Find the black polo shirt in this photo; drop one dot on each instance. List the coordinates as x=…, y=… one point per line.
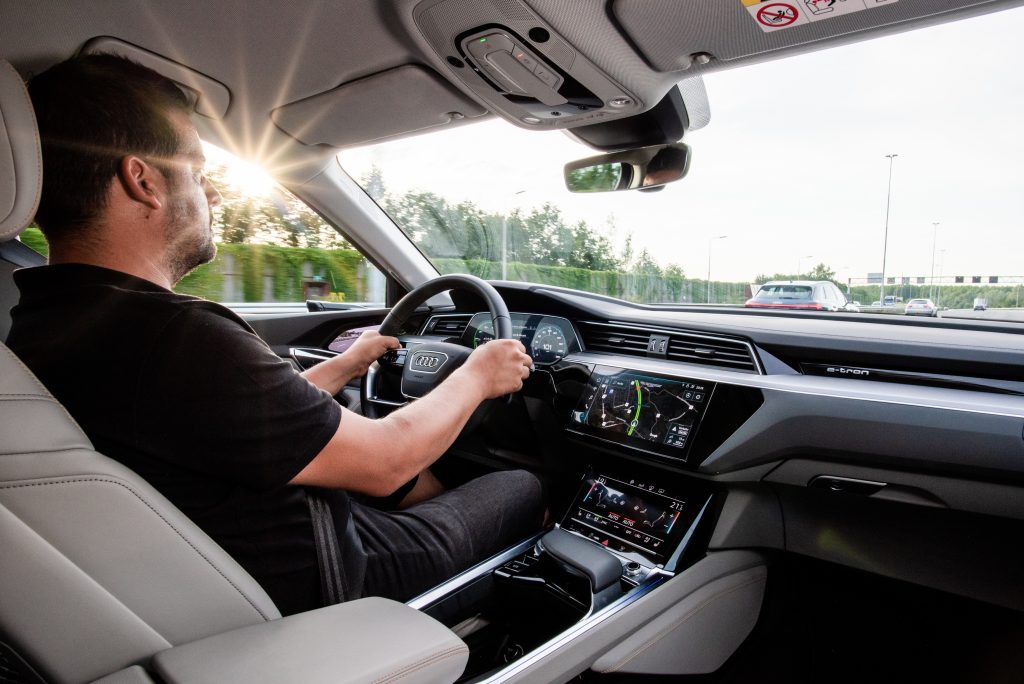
x=183, y=392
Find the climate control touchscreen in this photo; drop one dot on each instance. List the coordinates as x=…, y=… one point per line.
x=639, y=520
x=636, y=409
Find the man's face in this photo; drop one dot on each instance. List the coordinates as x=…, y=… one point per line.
x=191, y=198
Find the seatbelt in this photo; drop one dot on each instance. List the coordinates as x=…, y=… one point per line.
x=328, y=555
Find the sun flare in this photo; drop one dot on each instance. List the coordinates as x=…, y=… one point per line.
x=248, y=177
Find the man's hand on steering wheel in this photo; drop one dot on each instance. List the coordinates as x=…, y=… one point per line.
x=367, y=348
x=500, y=366
x=426, y=364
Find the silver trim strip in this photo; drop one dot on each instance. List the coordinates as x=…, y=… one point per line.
x=965, y=401
x=482, y=568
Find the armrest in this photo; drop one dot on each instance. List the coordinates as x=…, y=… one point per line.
x=371, y=639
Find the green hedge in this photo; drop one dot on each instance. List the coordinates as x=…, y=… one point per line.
x=339, y=267
x=345, y=271
x=637, y=287
x=33, y=237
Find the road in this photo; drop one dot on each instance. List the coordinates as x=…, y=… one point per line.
x=989, y=314
x=1015, y=315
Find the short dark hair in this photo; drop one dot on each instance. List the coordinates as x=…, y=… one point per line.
x=93, y=110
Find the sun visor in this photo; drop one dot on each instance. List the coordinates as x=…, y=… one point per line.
x=208, y=97
x=695, y=36
x=404, y=100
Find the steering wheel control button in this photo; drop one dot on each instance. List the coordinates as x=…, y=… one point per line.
x=394, y=357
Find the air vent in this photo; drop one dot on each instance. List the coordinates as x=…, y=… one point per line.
x=614, y=338
x=689, y=347
x=450, y=326
x=711, y=351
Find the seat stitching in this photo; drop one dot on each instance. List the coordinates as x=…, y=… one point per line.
x=420, y=664
x=662, y=633
x=45, y=393
x=159, y=515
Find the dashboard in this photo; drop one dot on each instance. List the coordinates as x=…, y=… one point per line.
x=846, y=439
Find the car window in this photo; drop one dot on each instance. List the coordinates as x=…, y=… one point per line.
x=785, y=292
x=790, y=180
x=272, y=249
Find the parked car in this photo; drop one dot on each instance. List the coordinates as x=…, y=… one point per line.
x=921, y=307
x=813, y=295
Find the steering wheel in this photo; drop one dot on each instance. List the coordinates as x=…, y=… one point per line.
x=426, y=365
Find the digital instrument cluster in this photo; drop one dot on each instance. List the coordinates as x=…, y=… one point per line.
x=547, y=338
x=649, y=412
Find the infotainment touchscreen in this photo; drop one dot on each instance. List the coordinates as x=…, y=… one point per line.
x=637, y=409
x=636, y=519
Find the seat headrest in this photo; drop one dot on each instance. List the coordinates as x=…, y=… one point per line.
x=21, y=163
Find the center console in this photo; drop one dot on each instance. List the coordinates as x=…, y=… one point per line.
x=624, y=534
x=632, y=544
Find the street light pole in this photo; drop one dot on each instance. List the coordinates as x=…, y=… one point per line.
x=938, y=288
x=710, y=240
x=935, y=238
x=885, y=243
x=799, y=261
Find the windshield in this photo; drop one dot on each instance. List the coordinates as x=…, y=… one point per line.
x=888, y=167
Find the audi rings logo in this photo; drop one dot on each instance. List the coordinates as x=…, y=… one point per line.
x=428, y=361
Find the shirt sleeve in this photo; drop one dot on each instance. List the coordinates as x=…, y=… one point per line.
x=218, y=401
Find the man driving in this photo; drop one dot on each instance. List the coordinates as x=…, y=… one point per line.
x=182, y=391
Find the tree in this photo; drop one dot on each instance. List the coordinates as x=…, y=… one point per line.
x=822, y=272
x=645, y=264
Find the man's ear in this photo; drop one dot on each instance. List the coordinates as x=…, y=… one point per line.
x=142, y=182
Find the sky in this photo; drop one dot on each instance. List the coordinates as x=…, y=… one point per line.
x=792, y=168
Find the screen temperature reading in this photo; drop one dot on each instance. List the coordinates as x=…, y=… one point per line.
x=635, y=519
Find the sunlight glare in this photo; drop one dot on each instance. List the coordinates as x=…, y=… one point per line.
x=248, y=177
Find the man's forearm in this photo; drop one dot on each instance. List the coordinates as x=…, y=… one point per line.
x=376, y=457
x=428, y=426
x=330, y=375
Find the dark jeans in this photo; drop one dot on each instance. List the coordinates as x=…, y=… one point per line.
x=413, y=550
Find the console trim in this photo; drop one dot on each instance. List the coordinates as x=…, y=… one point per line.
x=587, y=623
x=428, y=598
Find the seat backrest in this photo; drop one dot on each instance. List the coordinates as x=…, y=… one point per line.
x=98, y=571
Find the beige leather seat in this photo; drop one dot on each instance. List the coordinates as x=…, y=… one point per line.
x=99, y=572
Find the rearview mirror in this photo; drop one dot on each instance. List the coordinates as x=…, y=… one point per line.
x=640, y=169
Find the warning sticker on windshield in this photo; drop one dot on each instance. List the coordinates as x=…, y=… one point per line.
x=772, y=15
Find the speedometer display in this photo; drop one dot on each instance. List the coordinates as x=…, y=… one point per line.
x=483, y=332
x=548, y=344
x=547, y=338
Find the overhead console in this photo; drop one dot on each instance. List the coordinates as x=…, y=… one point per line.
x=514, y=61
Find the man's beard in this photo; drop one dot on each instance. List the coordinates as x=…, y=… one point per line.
x=188, y=247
